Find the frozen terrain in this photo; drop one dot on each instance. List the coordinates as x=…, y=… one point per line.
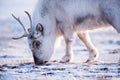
x=16, y=62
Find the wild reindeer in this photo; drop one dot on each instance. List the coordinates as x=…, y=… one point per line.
x=53, y=18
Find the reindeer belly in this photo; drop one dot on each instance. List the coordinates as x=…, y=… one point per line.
x=90, y=23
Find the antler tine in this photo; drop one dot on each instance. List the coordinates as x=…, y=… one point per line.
x=29, y=19
x=25, y=32
x=19, y=37
x=18, y=19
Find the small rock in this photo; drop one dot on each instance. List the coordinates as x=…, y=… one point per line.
x=61, y=69
x=50, y=73
x=118, y=42
x=104, y=69
x=22, y=71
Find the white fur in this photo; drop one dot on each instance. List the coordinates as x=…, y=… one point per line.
x=58, y=18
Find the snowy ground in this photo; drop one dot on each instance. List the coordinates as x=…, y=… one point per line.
x=16, y=62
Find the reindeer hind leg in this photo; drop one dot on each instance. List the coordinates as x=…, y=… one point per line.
x=93, y=53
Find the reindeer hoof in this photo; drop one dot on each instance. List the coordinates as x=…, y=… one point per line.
x=92, y=58
x=90, y=61
x=66, y=59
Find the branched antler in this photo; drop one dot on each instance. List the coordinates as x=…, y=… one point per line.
x=25, y=32
x=29, y=16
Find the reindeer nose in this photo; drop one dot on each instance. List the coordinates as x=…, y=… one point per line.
x=38, y=61
x=36, y=44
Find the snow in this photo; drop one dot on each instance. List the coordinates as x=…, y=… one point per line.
x=16, y=61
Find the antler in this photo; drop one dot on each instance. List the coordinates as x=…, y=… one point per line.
x=25, y=32
x=29, y=16
x=20, y=37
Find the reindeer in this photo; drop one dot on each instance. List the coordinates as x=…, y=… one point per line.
x=54, y=18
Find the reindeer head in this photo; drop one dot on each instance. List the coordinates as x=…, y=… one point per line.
x=36, y=41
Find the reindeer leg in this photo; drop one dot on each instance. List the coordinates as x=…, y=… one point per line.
x=93, y=53
x=68, y=36
x=69, y=53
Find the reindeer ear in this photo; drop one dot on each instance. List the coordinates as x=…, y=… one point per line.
x=39, y=28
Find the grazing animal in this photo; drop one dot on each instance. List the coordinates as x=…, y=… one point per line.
x=53, y=18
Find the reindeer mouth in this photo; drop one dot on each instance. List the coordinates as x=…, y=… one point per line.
x=38, y=61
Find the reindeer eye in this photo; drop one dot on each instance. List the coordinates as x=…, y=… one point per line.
x=36, y=44
x=31, y=37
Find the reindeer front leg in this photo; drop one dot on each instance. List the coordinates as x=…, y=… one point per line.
x=69, y=53
x=68, y=36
